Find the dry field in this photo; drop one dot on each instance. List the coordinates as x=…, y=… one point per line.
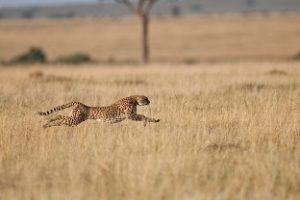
x=227, y=131
x=209, y=37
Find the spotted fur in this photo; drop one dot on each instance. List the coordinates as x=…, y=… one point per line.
x=123, y=109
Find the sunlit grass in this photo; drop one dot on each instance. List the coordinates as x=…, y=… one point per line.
x=227, y=131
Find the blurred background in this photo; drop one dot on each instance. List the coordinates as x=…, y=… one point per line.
x=109, y=8
x=188, y=31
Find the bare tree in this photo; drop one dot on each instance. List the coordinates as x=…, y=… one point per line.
x=142, y=9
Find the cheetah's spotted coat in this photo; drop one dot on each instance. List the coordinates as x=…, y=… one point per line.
x=117, y=112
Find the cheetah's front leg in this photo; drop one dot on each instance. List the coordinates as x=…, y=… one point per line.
x=137, y=117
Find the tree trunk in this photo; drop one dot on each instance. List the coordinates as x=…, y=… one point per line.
x=145, y=38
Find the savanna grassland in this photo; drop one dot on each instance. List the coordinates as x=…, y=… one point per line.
x=228, y=130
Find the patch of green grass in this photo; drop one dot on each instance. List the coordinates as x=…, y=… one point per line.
x=33, y=55
x=75, y=59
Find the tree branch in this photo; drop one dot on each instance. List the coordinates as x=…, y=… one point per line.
x=139, y=7
x=143, y=7
x=129, y=5
x=149, y=6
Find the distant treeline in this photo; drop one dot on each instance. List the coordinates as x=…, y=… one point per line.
x=163, y=7
x=36, y=55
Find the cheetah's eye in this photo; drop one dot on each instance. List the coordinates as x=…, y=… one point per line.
x=143, y=101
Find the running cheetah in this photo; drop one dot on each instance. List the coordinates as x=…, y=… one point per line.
x=123, y=109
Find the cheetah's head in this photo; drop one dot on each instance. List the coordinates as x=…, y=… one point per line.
x=142, y=100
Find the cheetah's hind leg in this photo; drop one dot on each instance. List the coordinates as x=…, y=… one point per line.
x=51, y=122
x=58, y=117
x=59, y=121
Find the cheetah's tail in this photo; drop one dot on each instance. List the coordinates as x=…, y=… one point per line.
x=58, y=108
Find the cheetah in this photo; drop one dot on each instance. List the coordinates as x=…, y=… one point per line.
x=120, y=110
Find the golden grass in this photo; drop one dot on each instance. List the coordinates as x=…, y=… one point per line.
x=227, y=131
x=208, y=37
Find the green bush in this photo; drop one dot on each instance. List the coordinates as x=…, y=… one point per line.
x=75, y=59
x=34, y=55
x=297, y=56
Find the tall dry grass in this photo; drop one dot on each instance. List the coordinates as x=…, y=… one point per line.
x=227, y=131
